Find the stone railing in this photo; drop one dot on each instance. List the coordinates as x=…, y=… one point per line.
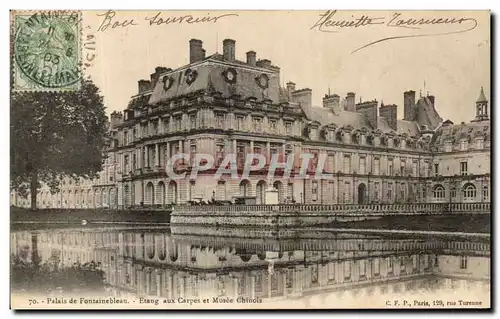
x=338, y=208
x=470, y=207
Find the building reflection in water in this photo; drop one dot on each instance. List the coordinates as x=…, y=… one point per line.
x=307, y=267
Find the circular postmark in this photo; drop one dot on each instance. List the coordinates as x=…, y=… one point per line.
x=46, y=49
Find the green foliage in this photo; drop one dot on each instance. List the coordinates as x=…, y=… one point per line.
x=56, y=134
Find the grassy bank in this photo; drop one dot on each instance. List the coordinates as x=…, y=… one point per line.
x=75, y=216
x=455, y=223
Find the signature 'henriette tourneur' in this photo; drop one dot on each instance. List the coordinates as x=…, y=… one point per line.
x=327, y=23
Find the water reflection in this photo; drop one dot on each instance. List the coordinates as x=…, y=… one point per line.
x=309, y=267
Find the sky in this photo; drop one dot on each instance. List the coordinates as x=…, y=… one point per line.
x=310, y=49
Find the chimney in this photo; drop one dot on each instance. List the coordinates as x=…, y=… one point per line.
x=264, y=63
x=303, y=96
x=369, y=109
x=350, y=103
x=332, y=102
x=251, y=58
x=409, y=106
x=116, y=119
x=228, y=49
x=154, y=76
x=144, y=85
x=195, y=50
x=390, y=112
x=290, y=87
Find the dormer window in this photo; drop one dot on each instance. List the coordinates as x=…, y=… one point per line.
x=447, y=146
x=463, y=145
x=272, y=125
x=479, y=144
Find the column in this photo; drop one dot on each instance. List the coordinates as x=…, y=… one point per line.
x=168, y=151
x=268, y=152
x=157, y=155
x=146, y=156
x=251, y=147
x=234, y=146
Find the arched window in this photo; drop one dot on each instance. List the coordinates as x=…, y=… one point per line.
x=469, y=191
x=438, y=191
x=485, y=193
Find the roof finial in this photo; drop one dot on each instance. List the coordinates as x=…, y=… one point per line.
x=482, y=97
x=216, y=42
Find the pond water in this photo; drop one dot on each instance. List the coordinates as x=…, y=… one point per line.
x=195, y=267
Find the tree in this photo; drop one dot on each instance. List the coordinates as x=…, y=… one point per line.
x=56, y=134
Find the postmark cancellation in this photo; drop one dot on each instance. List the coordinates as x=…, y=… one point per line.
x=46, y=50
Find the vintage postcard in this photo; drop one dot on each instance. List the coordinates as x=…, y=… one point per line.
x=250, y=159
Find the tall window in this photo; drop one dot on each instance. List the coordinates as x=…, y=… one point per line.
x=403, y=191
x=463, y=262
x=389, y=191
x=447, y=146
x=290, y=191
x=376, y=190
x=469, y=191
x=126, y=163
x=362, y=165
x=192, y=152
x=377, y=166
x=414, y=168
x=390, y=265
x=192, y=121
x=314, y=190
x=390, y=167
x=347, y=164
x=485, y=193
x=166, y=125
x=257, y=124
x=436, y=169
x=463, y=145
x=332, y=190
x=362, y=268
x=331, y=271
x=331, y=163
x=438, y=192
x=219, y=153
x=177, y=121
x=155, y=127
x=273, y=125
x=463, y=168
x=376, y=267
x=240, y=123
x=288, y=128
x=347, y=192
x=221, y=120
x=453, y=192
x=125, y=137
x=347, y=269
x=479, y=144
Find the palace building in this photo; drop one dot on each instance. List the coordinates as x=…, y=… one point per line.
x=333, y=268
x=221, y=105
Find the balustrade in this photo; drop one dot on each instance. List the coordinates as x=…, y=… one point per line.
x=376, y=209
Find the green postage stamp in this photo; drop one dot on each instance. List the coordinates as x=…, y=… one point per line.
x=46, y=51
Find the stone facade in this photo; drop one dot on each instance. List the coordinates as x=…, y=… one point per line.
x=219, y=105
